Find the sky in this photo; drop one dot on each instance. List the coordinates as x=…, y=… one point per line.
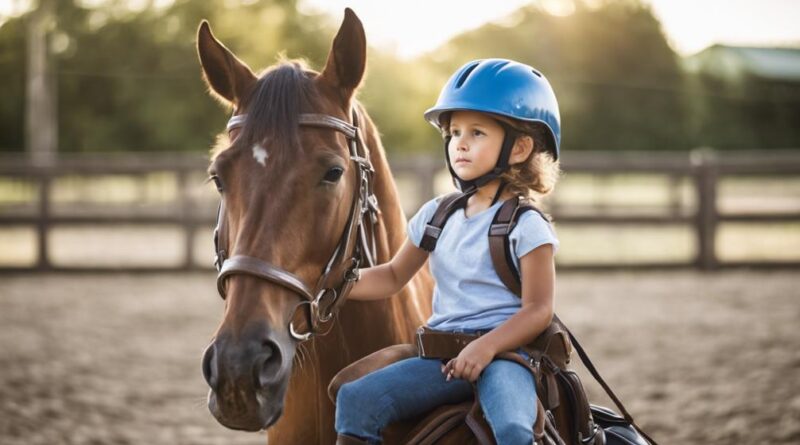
x=412, y=27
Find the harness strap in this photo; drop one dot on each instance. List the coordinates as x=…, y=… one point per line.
x=590, y=366
x=449, y=204
x=504, y=221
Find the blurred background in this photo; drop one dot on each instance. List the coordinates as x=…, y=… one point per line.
x=678, y=212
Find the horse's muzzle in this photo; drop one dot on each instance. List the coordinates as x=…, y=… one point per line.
x=248, y=376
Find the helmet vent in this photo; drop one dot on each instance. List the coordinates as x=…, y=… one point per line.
x=536, y=72
x=466, y=74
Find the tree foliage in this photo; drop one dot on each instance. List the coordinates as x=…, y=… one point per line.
x=130, y=80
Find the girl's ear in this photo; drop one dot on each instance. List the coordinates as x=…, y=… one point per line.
x=522, y=149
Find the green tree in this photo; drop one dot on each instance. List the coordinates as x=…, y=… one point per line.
x=618, y=82
x=130, y=80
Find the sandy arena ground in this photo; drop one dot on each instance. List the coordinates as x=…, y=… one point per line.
x=115, y=359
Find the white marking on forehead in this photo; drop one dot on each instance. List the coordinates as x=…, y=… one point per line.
x=260, y=154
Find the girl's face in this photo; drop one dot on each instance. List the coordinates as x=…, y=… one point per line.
x=475, y=143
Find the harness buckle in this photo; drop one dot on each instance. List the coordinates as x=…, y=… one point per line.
x=432, y=231
x=373, y=203
x=499, y=229
x=352, y=273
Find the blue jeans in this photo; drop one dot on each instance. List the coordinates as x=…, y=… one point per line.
x=410, y=387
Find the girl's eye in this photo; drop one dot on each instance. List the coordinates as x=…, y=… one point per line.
x=455, y=133
x=477, y=133
x=334, y=174
x=217, y=183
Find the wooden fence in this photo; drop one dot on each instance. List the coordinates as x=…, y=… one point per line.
x=704, y=168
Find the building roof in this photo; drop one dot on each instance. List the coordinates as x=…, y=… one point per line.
x=737, y=61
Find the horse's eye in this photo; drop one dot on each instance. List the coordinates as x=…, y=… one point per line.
x=334, y=174
x=217, y=183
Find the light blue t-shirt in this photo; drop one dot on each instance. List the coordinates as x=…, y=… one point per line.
x=468, y=293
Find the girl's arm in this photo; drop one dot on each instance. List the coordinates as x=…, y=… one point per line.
x=538, y=284
x=385, y=280
x=538, y=281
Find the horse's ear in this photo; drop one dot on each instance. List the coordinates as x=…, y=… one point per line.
x=348, y=56
x=228, y=77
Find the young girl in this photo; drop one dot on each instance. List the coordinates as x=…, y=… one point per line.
x=501, y=127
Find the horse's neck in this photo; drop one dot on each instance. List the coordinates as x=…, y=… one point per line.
x=398, y=317
x=360, y=328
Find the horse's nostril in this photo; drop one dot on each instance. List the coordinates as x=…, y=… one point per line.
x=210, y=366
x=267, y=364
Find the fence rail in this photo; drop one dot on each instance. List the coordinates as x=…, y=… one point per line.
x=704, y=168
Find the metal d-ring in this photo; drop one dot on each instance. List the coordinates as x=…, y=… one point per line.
x=294, y=333
x=323, y=318
x=299, y=337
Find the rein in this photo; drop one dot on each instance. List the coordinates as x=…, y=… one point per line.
x=356, y=246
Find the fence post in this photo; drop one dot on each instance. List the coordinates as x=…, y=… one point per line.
x=704, y=164
x=187, y=209
x=43, y=223
x=675, y=194
x=427, y=186
x=41, y=110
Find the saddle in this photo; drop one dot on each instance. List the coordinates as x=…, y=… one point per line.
x=564, y=414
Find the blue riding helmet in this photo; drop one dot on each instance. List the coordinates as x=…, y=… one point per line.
x=502, y=87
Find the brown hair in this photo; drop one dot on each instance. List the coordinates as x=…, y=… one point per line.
x=537, y=175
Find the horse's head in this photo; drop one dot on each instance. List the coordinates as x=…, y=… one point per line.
x=291, y=182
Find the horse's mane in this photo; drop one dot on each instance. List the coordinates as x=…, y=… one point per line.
x=278, y=97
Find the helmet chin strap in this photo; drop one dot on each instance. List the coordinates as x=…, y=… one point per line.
x=498, y=192
x=499, y=168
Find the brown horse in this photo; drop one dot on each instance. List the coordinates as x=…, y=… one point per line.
x=287, y=191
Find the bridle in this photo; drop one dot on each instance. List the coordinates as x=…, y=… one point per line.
x=356, y=246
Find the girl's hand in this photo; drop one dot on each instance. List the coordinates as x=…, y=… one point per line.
x=470, y=362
